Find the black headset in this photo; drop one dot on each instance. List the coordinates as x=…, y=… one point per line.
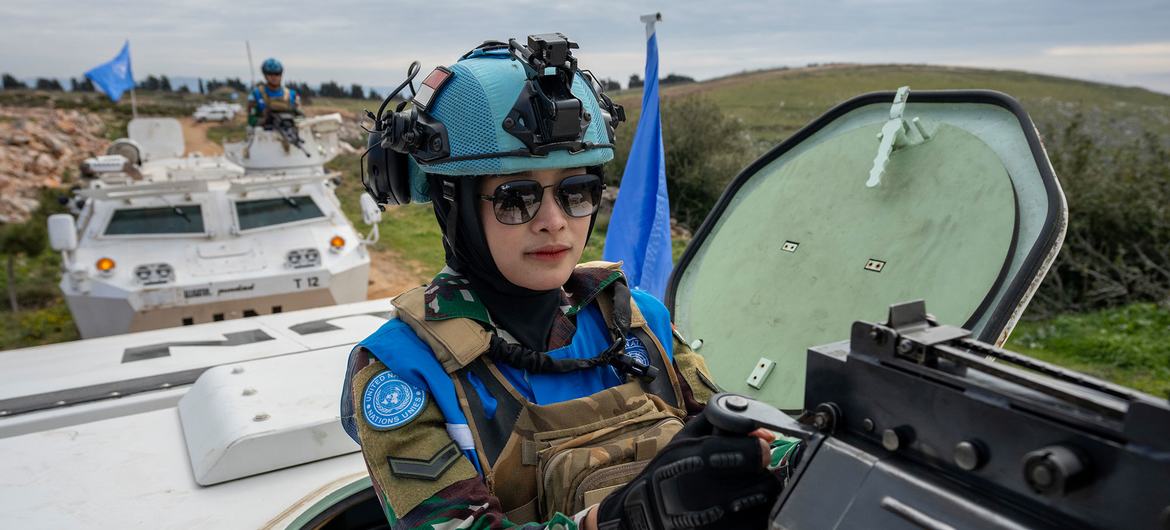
x=546, y=117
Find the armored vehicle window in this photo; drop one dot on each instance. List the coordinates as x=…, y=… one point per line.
x=184, y=219
x=268, y=212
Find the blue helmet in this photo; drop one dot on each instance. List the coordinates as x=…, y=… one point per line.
x=503, y=108
x=271, y=66
x=475, y=104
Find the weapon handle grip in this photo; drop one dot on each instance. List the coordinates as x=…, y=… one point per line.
x=725, y=412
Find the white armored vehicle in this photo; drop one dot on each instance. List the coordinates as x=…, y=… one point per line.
x=163, y=240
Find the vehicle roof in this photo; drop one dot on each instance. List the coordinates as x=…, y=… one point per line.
x=133, y=472
x=70, y=373
x=123, y=461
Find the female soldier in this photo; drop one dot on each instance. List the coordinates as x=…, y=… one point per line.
x=518, y=386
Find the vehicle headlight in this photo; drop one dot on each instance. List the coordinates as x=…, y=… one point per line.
x=302, y=257
x=154, y=273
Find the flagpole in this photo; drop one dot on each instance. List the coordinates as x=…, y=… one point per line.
x=639, y=227
x=251, y=67
x=133, y=100
x=650, y=20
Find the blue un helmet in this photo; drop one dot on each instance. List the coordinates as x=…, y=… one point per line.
x=271, y=66
x=503, y=108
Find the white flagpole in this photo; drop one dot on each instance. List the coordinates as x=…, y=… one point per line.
x=251, y=67
x=650, y=20
x=133, y=100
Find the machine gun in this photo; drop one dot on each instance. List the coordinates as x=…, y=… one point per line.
x=912, y=424
x=284, y=123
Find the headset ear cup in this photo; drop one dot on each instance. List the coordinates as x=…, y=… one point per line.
x=373, y=178
x=398, y=169
x=387, y=172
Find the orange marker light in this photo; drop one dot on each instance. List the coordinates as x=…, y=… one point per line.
x=105, y=264
x=337, y=242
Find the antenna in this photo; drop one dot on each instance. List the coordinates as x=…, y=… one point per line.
x=251, y=67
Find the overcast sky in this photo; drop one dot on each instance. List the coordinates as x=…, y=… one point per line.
x=371, y=42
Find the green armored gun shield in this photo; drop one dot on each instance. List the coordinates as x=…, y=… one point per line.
x=945, y=196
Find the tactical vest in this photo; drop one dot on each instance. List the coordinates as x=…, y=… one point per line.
x=561, y=457
x=278, y=105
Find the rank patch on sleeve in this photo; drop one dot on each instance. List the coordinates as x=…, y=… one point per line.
x=389, y=402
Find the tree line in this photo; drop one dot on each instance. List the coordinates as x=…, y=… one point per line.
x=328, y=89
x=162, y=83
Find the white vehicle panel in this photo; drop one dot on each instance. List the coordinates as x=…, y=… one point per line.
x=137, y=461
x=159, y=137
x=244, y=419
x=41, y=376
x=133, y=472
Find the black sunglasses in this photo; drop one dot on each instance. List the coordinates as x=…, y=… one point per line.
x=517, y=202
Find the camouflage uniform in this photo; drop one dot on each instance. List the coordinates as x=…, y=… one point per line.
x=450, y=490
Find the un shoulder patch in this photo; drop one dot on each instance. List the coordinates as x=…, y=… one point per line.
x=389, y=402
x=637, y=350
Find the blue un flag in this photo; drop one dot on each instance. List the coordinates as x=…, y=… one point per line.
x=639, y=230
x=114, y=77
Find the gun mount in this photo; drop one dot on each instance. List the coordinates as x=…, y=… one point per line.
x=285, y=125
x=911, y=424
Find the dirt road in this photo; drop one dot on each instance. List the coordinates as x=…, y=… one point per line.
x=195, y=136
x=390, y=275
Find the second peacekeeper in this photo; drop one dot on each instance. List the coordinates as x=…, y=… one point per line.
x=270, y=97
x=518, y=388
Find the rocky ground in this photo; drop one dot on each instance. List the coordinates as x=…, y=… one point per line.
x=39, y=147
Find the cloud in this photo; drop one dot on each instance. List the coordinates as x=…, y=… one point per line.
x=1157, y=49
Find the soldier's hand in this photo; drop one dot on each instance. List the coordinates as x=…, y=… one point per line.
x=699, y=480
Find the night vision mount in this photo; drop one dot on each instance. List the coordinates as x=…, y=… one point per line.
x=546, y=117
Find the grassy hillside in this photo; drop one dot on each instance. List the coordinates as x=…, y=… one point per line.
x=773, y=104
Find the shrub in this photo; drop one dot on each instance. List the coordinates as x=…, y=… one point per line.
x=1117, y=248
x=705, y=149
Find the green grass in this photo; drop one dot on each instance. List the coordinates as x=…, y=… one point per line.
x=355, y=106
x=34, y=327
x=1126, y=345
x=231, y=131
x=410, y=231
x=43, y=318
